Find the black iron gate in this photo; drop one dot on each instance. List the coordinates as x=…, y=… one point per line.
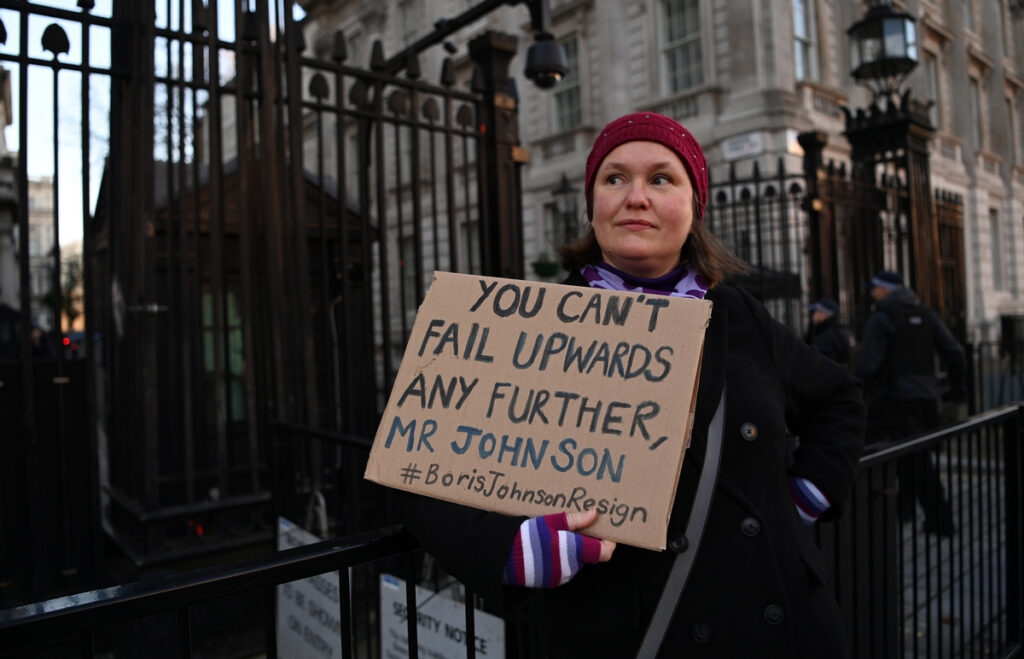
x=881, y=213
x=258, y=227
x=828, y=230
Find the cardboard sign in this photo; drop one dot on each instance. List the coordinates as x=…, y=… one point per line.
x=528, y=398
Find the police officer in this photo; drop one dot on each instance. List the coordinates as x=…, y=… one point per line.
x=896, y=362
x=827, y=334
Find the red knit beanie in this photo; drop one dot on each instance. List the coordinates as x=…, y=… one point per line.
x=651, y=127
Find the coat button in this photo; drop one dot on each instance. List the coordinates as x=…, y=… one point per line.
x=750, y=527
x=701, y=632
x=679, y=543
x=749, y=431
x=773, y=614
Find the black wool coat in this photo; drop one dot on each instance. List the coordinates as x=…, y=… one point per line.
x=758, y=587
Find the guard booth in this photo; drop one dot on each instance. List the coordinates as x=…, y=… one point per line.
x=259, y=223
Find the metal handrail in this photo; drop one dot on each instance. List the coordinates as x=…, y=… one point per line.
x=887, y=451
x=83, y=612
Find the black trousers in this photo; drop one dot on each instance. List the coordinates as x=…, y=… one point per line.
x=918, y=474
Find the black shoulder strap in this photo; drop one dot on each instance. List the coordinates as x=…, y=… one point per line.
x=694, y=530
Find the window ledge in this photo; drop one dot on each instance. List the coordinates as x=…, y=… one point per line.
x=989, y=161
x=949, y=146
x=975, y=53
x=823, y=98
x=555, y=145
x=1011, y=77
x=554, y=137
x=562, y=9
x=938, y=28
x=685, y=104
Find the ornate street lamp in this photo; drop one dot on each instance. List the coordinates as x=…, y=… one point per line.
x=883, y=49
x=564, y=231
x=889, y=152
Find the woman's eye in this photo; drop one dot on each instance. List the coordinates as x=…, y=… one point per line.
x=661, y=179
x=615, y=179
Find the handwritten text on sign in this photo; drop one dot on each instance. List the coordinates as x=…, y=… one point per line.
x=528, y=398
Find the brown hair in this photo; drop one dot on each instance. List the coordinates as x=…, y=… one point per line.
x=702, y=250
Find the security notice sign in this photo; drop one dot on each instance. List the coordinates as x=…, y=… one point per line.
x=529, y=398
x=440, y=625
x=308, y=609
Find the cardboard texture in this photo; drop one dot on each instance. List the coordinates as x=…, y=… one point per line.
x=529, y=398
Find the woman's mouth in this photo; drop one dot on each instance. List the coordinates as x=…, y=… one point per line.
x=635, y=224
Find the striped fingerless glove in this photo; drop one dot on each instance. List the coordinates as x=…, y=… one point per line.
x=546, y=554
x=810, y=501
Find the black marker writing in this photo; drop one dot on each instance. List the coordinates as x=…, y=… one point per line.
x=621, y=359
x=460, y=343
x=511, y=298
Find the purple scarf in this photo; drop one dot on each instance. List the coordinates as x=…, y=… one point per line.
x=680, y=282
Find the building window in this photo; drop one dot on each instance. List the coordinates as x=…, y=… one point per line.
x=1011, y=131
x=996, y=243
x=680, y=46
x=974, y=110
x=568, y=112
x=409, y=22
x=968, y=16
x=931, y=71
x=1020, y=137
x=1007, y=19
x=805, y=41
x=232, y=342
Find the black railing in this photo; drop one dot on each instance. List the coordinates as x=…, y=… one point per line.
x=94, y=623
x=905, y=590
x=908, y=589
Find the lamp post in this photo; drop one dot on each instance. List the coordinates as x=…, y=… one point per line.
x=889, y=157
x=564, y=230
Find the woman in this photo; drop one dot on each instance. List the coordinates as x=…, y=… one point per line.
x=757, y=585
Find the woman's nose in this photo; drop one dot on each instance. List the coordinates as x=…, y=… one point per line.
x=637, y=196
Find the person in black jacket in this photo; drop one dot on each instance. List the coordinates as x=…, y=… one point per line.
x=896, y=362
x=827, y=333
x=758, y=583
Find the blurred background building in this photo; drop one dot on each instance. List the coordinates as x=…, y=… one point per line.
x=747, y=78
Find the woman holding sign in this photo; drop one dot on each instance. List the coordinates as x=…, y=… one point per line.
x=742, y=575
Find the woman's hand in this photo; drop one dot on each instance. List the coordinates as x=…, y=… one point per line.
x=548, y=552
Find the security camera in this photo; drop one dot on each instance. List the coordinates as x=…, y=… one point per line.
x=546, y=62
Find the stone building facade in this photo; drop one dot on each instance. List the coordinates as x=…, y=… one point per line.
x=746, y=78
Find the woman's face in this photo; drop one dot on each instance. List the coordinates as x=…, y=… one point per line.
x=643, y=208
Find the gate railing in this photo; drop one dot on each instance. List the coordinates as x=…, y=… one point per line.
x=760, y=218
x=259, y=226
x=904, y=592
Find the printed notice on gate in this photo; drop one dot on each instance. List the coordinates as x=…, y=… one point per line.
x=528, y=398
